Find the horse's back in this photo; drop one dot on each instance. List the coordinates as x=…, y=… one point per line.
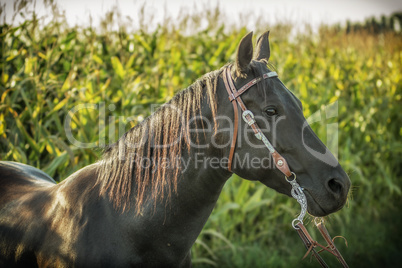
x=53, y=225
x=17, y=180
x=14, y=170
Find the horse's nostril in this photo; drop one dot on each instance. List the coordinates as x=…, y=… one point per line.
x=335, y=186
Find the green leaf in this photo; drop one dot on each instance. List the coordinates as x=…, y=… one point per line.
x=118, y=67
x=55, y=163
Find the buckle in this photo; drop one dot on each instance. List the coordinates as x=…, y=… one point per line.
x=249, y=120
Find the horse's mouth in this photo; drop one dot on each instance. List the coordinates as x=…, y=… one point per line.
x=313, y=207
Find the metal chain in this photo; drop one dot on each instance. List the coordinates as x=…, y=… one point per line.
x=298, y=194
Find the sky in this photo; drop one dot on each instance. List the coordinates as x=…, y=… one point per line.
x=313, y=12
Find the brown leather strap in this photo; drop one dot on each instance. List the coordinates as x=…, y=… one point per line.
x=311, y=244
x=330, y=241
x=247, y=86
x=281, y=164
x=236, y=122
x=244, y=88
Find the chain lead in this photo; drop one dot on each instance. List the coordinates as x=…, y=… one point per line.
x=298, y=194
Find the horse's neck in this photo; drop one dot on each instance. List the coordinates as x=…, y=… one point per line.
x=201, y=181
x=200, y=187
x=175, y=225
x=177, y=221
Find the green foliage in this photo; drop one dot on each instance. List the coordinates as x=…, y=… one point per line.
x=48, y=69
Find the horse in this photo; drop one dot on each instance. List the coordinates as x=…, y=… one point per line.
x=144, y=203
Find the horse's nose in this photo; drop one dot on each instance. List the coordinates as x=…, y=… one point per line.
x=338, y=186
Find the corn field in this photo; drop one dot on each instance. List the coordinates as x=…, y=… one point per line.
x=120, y=76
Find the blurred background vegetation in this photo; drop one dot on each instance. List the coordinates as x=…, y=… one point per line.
x=48, y=67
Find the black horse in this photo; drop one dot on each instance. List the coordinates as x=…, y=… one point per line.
x=145, y=202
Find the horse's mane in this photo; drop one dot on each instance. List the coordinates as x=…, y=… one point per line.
x=133, y=165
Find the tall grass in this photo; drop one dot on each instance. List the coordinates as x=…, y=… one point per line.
x=49, y=68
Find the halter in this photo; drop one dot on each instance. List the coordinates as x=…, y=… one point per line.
x=281, y=164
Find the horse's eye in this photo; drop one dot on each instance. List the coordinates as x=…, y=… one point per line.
x=271, y=111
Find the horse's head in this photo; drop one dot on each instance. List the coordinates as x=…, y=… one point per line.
x=279, y=115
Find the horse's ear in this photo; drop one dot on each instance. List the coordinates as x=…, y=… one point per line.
x=263, y=51
x=244, y=54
